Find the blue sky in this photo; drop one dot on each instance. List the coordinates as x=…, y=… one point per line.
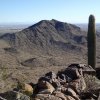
x=29, y=11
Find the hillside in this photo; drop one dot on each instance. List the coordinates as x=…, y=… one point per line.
x=45, y=38
x=47, y=33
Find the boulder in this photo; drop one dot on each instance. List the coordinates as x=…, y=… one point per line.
x=51, y=77
x=76, y=69
x=25, y=88
x=72, y=93
x=62, y=78
x=86, y=69
x=45, y=86
x=71, y=73
x=78, y=85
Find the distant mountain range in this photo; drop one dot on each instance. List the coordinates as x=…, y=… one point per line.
x=15, y=27
x=85, y=27
x=12, y=28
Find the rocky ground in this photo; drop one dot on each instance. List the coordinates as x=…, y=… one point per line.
x=76, y=82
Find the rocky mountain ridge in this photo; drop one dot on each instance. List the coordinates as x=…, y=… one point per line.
x=45, y=38
x=46, y=33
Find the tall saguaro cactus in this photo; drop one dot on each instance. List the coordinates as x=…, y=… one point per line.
x=91, y=42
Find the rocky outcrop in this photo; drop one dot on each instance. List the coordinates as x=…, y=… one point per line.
x=25, y=88
x=67, y=84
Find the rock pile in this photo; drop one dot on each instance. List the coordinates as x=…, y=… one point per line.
x=67, y=84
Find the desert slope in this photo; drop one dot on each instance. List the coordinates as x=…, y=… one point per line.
x=45, y=38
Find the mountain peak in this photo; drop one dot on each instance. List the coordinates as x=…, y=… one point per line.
x=47, y=33
x=58, y=25
x=53, y=21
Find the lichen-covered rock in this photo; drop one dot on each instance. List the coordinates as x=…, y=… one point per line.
x=25, y=88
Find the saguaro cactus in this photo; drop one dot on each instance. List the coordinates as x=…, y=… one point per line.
x=91, y=42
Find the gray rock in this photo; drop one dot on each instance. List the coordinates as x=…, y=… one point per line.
x=78, y=85
x=51, y=77
x=13, y=95
x=70, y=73
x=72, y=93
x=69, y=97
x=42, y=96
x=45, y=85
x=60, y=95
x=9, y=95
x=85, y=68
x=21, y=96
x=54, y=98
